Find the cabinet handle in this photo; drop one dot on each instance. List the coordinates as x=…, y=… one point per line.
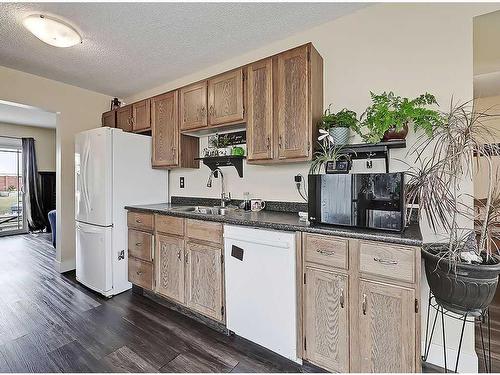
x=138, y=243
x=385, y=261
x=211, y=110
x=279, y=141
x=363, y=305
x=179, y=255
x=325, y=252
x=203, y=111
x=342, y=297
x=138, y=221
x=173, y=152
x=268, y=144
x=187, y=258
x=139, y=273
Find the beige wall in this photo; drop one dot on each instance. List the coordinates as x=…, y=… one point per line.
x=78, y=110
x=45, y=143
x=408, y=48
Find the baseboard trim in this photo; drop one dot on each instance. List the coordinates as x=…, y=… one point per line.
x=65, y=266
x=468, y=362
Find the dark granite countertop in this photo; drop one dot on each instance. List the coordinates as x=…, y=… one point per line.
x=286, y=221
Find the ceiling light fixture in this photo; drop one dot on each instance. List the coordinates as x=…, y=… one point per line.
x=52, y=31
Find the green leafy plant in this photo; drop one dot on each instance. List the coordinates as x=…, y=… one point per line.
x=219, y=141
x=342, y=119
x=389, y=111
x=223, y=141
x=327, y=152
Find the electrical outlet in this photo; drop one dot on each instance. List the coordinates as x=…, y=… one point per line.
x=181, y=182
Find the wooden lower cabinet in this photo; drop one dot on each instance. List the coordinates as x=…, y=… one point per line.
x=359, y=311
x=326, y=319
x=140, y=273
x=186, y=265
x=170, y=267
x=204, y=279
x=386, y=328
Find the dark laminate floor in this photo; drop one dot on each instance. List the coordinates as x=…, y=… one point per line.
x=49, y=323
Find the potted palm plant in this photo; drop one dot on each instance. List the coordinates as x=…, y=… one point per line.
x=389, y=116
x=462, y=272
x=338, y=124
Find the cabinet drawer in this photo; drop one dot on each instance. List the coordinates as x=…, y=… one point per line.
x=326, y=250
x=139, y=220
x=204, y=230
x=390, y=261
x=169, y=225
x=140, y=273
x=140, y=245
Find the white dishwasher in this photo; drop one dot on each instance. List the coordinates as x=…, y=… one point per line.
x=261, y=298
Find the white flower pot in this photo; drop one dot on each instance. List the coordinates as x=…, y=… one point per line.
x=340, y=136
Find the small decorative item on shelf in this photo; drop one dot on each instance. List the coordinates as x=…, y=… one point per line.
x=115, y=104
x=221, y=143
x=338, y=124
x=389, y=116
x=238, y=151
x=210, y=152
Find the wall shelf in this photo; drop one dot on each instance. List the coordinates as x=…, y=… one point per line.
x=214, y=162
x=372, y=150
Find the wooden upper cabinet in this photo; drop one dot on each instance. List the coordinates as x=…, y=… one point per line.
x=141, y=115
x=193, y=106
x=292, y=100
x=165, y=130
x=170, y=267
x=326, y=319
x=204, y=279
x=386, y=328
x=124, y=118
x=109, y=119
x=260, y=111
x=225, y=98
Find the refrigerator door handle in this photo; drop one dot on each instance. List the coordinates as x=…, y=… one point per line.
x=89, y=229
x=86, y=197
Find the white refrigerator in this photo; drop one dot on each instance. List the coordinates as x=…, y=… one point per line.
x=112, y=170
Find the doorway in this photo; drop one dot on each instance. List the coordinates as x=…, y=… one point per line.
x=12, y=207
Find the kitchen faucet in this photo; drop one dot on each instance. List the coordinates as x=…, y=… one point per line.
x=223, y=198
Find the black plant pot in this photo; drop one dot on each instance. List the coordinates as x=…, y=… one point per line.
x=468, y=289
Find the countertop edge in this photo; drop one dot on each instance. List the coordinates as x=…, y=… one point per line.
x=335, y=231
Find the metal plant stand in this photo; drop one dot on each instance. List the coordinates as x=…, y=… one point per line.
x=483, y=318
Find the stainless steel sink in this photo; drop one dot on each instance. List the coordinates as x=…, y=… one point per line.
x=204, y=210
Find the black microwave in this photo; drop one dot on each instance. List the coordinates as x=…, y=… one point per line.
x=365, y=200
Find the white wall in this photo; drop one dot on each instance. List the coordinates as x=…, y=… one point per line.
x=45, y=143
x=407, y=48
x=78, y=110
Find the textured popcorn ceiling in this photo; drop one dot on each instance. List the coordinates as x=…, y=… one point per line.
x=130, y=47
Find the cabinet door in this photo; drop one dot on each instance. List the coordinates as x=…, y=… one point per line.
x=194, y=106
x=260, y=110
x=170, y=267
x=225, y=98
x=326, y=319
x=204, y=279
x=141, y=115
x=124, y=118
x=292, y=99
x=109, y=119
x=386, y=328
x=165, y=130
